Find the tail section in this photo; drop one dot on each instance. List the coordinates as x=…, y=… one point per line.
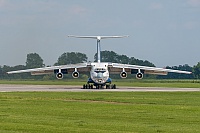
x=98, y=51
x=98, y=38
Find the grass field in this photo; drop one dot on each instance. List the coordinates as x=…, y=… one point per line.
x=100, y=112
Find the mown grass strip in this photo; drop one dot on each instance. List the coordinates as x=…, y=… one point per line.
x=100, y=112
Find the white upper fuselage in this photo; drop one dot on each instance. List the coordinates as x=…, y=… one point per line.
x=99, y=72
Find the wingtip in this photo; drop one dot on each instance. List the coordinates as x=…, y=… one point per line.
x=69, y=35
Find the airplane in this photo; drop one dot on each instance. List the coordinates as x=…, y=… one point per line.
x=99, y=71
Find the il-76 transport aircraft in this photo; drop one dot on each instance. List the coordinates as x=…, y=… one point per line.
x=99, y=71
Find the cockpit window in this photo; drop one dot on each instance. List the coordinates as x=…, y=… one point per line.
x=98, y=70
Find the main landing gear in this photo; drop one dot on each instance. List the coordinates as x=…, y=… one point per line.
x=87, y=86
x=91, y=86
x=111, y=86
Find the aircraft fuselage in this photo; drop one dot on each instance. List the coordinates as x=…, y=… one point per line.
x=99, y=73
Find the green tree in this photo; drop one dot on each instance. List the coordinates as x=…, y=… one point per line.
x=1, y=73
x=107, y=56
x=110, y=56
x=6, y=68
x=196, y=70
x=185, y=67
x=71, y=58
x=34, y=60
x=123, y=59
x=135, y=61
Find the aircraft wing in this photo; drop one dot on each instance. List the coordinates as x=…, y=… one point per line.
x=81, y=67
x=115, y=68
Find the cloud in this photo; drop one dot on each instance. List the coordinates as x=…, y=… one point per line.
x=191, y=25
x=77, y=10
x=2, y=3
x=187, y=25
x=156, y=6
x=194, y=3
x=30, y=6
x=31, y=11
x=76, y=13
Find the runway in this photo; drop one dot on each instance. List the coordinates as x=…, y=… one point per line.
x=64, y=88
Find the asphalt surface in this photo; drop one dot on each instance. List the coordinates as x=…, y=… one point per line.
x=62, y=88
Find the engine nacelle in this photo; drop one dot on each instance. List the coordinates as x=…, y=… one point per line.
x=75, y=74
x=139, y=75
x=123, y=75
x=59, y=75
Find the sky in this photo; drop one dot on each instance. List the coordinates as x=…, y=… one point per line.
x=164, y=32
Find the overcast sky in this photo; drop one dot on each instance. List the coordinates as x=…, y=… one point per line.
x=164, y=32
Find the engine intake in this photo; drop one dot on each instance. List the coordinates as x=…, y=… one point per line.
x=75, y=74
x=59, y=75
x=123, y=75
x=139, y=75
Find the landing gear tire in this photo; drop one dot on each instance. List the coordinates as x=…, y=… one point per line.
x=113, y=86
x=83, y=86
x=90, y=86
x=87, y=86
x=107, y=86
x=97, y=86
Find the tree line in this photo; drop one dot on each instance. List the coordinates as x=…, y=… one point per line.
x=34, y=60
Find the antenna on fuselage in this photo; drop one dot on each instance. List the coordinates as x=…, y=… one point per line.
x=98, y=42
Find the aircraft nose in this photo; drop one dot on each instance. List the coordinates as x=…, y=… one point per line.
x=99, y=75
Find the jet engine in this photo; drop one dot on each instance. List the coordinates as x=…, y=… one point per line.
x=139, y=75
x=75, y=74
x=123, y=74
x=59, y=75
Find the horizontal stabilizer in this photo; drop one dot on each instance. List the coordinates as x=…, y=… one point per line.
x=98, y=37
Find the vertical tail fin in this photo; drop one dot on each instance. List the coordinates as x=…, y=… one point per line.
x=98, y=42
x=98, y=51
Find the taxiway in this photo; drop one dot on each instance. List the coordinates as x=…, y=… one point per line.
x=64, y=88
